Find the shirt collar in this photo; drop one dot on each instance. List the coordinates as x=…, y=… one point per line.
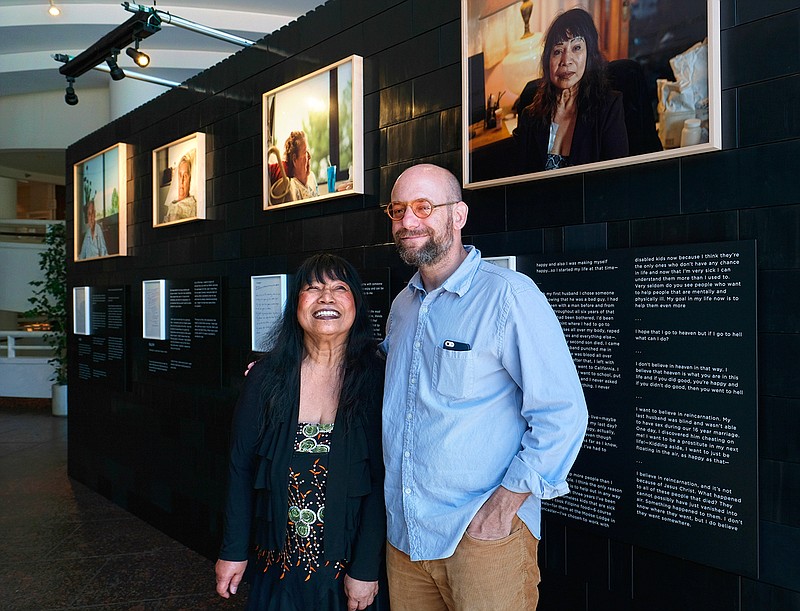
x=461, y=279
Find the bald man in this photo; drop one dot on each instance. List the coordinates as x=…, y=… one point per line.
x=483, y=413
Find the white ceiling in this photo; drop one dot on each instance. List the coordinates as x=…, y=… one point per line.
x=29, y=35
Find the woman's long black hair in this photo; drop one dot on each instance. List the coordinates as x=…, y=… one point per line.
x=593, y=87
x=280, y=390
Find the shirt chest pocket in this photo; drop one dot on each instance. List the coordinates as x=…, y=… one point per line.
x=454, y=372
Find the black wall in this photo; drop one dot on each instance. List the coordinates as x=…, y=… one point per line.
x=159, y=449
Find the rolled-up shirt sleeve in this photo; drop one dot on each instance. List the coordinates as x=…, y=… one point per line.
x=536, y=356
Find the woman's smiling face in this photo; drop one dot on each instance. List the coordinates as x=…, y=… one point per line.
x=326, y=308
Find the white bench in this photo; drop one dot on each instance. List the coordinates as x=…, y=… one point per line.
x=24, y=370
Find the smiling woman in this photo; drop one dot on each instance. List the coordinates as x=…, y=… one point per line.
x=326, y=310
x=306, y=445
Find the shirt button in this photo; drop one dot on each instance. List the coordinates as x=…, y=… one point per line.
x=406, y=454
x=413, y=381
x=417, y=344
x=408, y=490
x=409, y=416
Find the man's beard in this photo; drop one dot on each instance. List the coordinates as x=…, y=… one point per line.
x=432, y=251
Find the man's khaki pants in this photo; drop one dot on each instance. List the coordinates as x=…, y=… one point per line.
x=500, y=575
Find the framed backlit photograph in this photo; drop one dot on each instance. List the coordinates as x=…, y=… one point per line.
x=179, y=181
x=565, y=86
x=154, y=309
x=314, y=136
x=268, y=296
x=100, y=205
x=81, y=310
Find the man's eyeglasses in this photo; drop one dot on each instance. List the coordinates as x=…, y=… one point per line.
x=422, y=208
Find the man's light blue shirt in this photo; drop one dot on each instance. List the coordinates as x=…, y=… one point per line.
x=509, y=410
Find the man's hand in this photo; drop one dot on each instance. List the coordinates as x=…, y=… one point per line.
x=493, y=520
x=229, y=576
x=360, y=594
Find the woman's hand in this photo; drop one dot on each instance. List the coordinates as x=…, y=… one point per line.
x=566, y=106
x=229, y=575
x=565, y=117
x=360, y=594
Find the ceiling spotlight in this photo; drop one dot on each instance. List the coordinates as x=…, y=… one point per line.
x=70, y=97
x=116, y=72
x=54, y=10
x=140, y=58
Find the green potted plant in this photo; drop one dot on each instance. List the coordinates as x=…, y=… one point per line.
x=49, y=303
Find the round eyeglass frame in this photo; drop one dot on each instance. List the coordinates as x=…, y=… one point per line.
x=416, y=206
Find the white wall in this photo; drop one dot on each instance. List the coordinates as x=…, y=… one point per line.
x=43, y=121
x=128, y=94
x=19, y=264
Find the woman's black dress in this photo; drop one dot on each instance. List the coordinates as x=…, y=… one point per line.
x=298, y=576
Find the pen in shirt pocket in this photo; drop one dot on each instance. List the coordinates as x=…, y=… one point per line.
x=450, y=344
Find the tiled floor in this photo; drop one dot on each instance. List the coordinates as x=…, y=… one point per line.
x=62, y=546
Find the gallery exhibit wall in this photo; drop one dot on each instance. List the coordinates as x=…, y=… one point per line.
x=149, y=429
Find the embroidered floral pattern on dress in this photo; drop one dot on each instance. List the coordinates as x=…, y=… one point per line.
x=308, y=476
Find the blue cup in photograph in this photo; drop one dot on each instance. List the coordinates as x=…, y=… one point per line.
x=331, y=178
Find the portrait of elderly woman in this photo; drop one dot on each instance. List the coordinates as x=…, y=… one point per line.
x=99, y=205
x=184, y=206
x=306, y=467
x=291, y=179
x=179, y=181
x=313, y=136
x=94, y=242
x=570, y=116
